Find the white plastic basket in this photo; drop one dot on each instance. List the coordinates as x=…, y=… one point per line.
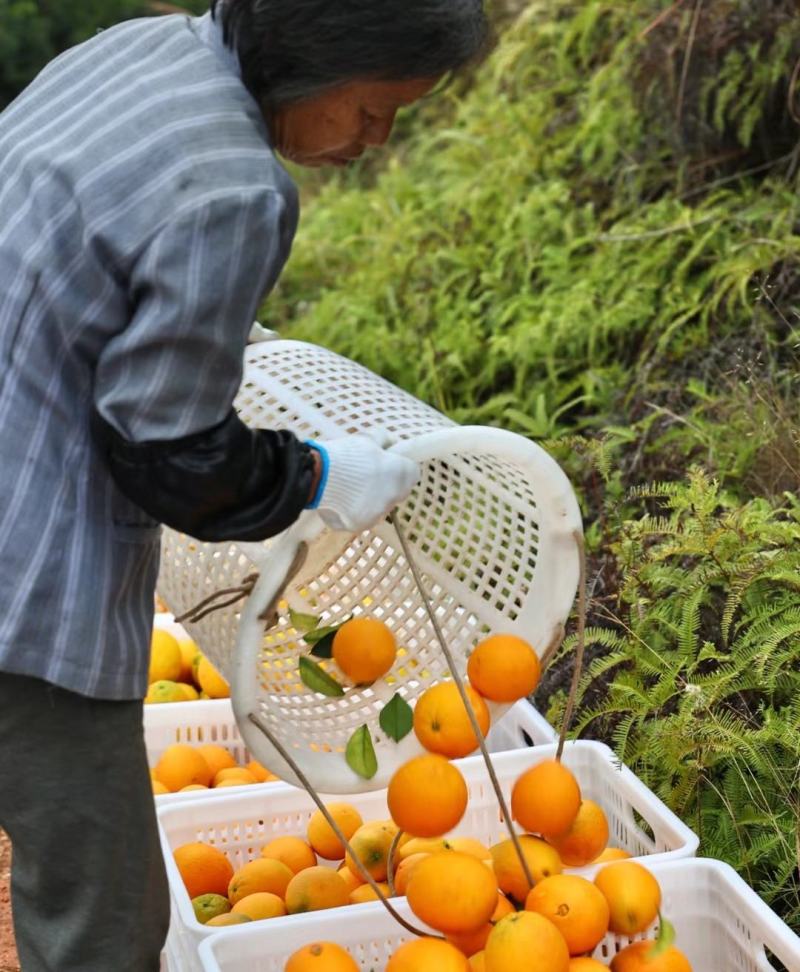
x=492, y=527
x=212, y=721
x=196, y=723
x=241, y=823
x=722, y=925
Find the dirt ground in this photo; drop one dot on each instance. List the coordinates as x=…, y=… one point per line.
x=8, y=952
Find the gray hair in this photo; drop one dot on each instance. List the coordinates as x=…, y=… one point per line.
x=292, y=49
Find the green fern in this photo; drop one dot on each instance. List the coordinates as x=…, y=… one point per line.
x=705, y=703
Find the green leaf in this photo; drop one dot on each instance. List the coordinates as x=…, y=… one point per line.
x=317, y=679
x=312, y=637
x=396, y=717
x=324, y=647
x=360, y=754
x=665, y=938
x=303, y=622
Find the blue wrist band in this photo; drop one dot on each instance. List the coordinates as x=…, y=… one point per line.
x=323, y=478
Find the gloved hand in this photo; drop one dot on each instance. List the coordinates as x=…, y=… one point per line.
x=360, y=481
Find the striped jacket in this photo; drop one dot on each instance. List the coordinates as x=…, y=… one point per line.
x=143, y=216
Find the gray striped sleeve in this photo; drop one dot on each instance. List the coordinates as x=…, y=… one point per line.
x=195, y=289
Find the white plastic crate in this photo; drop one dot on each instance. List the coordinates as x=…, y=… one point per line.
x=721, y=923
x=212, y=721
x=196, y=723
x=240, y=823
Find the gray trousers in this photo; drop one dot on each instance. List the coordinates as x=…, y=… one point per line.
x=88, y=886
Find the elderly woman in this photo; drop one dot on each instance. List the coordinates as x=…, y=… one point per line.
x=144, y=214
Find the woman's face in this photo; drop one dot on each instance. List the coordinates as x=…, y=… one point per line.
x=336, y=126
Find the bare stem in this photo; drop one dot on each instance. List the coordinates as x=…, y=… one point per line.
x=687, y=58
x=390, y=862
x=552, y=647
x=259, y=723
x=465, y=699
x=195, y=613
x=660, y=19
x=576, y=675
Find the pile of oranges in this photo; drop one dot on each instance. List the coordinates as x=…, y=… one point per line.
x=489, y=916
x=182, y=767
x=180, y=672
x=476, y=897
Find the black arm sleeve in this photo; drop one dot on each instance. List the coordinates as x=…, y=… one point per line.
x=229, y=482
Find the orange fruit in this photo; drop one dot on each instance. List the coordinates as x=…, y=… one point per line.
x=238, y=773
x=314, y=889
x=473, y=941
x=431, y=845
x=261, y=874
x=477, y=962
x=189, y=652
x=208, y=906
x=404, y=871
x=217, y=757
x=575, y=906
x=633, y=896
x=164, y=691
x=231, y=918
x=320, y=833
x=192, y=786
x=611, y=854
x=165, y=657
x=209, y=679
x=586, y=838
x=526, y=940
x=543, y=860
x=468, y=845
x=364, y=649
x=452, y=892
x=586, y=965
x=365, y=892
x=371, y=844
x=321, y=957
x=441, y=722
x=504, y=907
x=294, y=852
x=636, y=958
x=421, y=845
x=260, y=905
x=546, y=798
x=352, y=881
x=261, y=773
x=188, y=692
x=181, y=765
x=158, y=788
x=204, y=869
x=427, y=955
x=504, y=668
x=236, y=781
x=427, y=796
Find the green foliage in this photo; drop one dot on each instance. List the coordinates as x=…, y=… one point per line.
x=705, y=701
x=597, y=246
x=518, y=265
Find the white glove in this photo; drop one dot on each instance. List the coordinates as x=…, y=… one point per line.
x=259, y=334
x=360, y=481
